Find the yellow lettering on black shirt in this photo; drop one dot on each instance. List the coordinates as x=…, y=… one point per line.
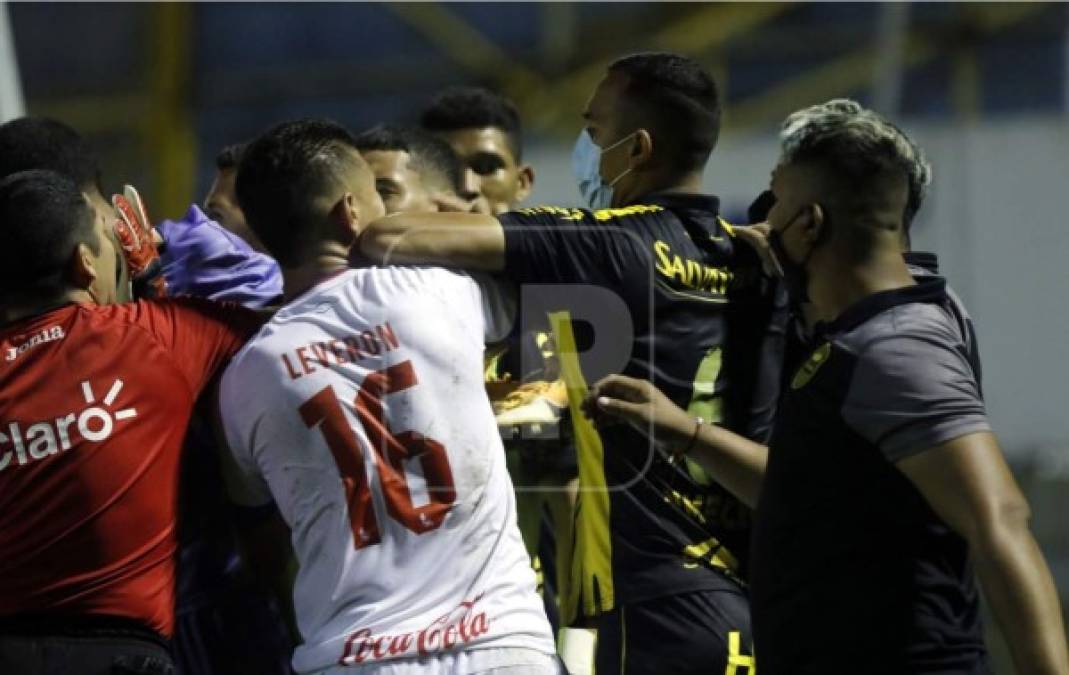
x=635, y=210
x=563, y=213
x=691, y=273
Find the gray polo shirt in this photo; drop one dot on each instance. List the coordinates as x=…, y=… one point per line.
x=852, y=572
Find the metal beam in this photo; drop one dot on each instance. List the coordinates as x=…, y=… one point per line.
x=553, y=106
x=468, y=47
x=168, y=126
x=848, y=73
x=90, y=115
x=556, y=106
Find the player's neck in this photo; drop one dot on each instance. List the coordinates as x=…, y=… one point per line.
x=13, y=311
x=834, y=293
x=297, y=280
x=689, y=183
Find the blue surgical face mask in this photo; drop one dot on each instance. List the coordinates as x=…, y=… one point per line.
x=586, y=164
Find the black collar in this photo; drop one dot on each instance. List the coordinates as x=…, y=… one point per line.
x=683, y=200
x=927, y=289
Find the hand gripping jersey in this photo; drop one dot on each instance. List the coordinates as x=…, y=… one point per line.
x=360, y=408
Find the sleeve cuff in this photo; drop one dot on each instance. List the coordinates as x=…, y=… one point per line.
x=909, y=441
x=513, y=244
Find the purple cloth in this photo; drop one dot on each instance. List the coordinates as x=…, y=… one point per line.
x=203, y=259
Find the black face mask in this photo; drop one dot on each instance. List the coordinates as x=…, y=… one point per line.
x=795, y=277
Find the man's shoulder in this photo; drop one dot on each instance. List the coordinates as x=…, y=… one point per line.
x=913, y=320
x=150, y=313
x=566, y=216
x=250, y=371
x=366, y=286
x=257, y=351
x=909, y=332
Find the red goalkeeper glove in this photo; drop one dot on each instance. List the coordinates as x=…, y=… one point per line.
x=137, y=239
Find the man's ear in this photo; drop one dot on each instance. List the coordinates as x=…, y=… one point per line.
x=641, y=149
x=81, y=270
x=346, y=217
x=526, y=178
x=814, y=223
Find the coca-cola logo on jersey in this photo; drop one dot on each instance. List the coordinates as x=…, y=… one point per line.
x=23, y=443
x=454, y=629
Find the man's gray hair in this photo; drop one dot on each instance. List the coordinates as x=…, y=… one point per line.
x=857, y=140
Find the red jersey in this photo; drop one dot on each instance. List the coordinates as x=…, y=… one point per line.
x=94, y=404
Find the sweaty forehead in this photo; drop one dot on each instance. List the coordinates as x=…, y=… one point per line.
x=487, y=140
x=387, y=163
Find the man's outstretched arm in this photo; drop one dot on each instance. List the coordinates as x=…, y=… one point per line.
x=466, y=240
x=737, y=462
x=967, y=483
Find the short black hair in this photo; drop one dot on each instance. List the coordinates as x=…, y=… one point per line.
x=230, y=156
x=679, y=103
x=43, y=143
x=428, y=152
x=43, y=218
x=458, y=108
x=280, y=177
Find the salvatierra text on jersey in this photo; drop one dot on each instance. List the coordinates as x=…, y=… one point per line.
x=454, y=629
x=691, y=273
x=350, y=349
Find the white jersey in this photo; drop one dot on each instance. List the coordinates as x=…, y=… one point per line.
x=360, y=408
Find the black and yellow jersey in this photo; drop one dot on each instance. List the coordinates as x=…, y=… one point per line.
x=660, y=290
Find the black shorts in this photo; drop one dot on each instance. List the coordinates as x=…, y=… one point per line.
x=84, y=646
x=234, y=629
x=706, y=632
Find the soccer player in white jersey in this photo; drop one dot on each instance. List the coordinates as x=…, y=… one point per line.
x=360, y=410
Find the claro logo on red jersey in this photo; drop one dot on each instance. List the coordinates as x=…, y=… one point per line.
x=24, y=444
x=50, y=334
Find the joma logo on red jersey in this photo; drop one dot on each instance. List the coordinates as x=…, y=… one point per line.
x=50, y=334
x=42, y=439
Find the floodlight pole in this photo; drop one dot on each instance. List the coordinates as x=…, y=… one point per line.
x=891, y=44
x=11, y=101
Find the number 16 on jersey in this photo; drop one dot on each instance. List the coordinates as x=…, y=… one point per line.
x=395, y=453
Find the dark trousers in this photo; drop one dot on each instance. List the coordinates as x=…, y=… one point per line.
x=234, y=630
x=49, y=647
x=700, y=633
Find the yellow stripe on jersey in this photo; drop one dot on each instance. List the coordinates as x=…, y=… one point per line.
x=704, y=403
x=588, y=588
x=623, y=212
x=713, y=552
x=492, y=363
